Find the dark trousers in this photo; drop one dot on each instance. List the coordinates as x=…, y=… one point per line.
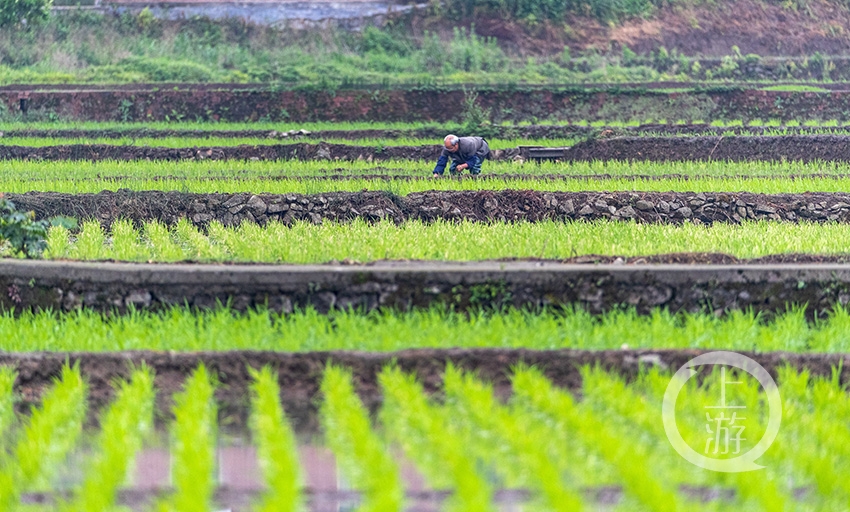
x=474, y=169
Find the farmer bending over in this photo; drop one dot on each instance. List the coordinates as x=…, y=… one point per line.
x=465, y=152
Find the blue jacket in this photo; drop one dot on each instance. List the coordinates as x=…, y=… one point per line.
x=470, y=150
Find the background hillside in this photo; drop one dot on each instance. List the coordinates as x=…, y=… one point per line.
x=470, y=41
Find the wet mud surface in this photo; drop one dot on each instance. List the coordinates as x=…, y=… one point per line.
x=804, y=148
x=480, y=206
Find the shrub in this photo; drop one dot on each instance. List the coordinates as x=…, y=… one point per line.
x=476, y=120
x=23, y=233
x=13, y=12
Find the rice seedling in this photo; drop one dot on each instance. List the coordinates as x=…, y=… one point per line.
x=170, y=126
x=277, y=450
x=89, y=176
x=428, y=437
x=194, y=142
x=650, y=491
x=193, y=448
x=7, y=405
x=623, y=407
x=46, y=438
x=813, y=445
x=498, y=430
x=123, y=428
x=182, y=329
x=360, y=452
x=361, y=241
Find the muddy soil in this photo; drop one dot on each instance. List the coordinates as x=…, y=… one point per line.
x=480, y=206
x=300, y=373
x=736, y=149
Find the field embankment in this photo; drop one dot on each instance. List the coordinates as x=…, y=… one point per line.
x=482, y=206
x=440, y=104
x=67, y=286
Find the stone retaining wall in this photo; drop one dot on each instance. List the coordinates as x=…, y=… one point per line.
x=67, y=286
x=484, y=206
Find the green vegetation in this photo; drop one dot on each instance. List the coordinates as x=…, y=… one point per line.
x=21, y=234
x=506, y=440
x=286, y=176
x=46, y=438
x=7, y=404
x=19, y=13
x=194, y=445
x=277, y=450
x=123, y=428
x=440, y=240
x=156, y=128
x=403, y=187
x=216, y=330
x=561, y=445
x=432, y=440
x=626, y=461
x=190, y=142
x=86, y=47
x=794, y=88
x=360, y=452
x=126, y=171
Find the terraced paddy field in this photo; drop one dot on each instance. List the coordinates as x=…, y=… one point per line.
x=238, y=320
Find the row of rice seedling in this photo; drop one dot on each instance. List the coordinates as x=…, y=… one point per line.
x=519, y=448
x=123, y=429
x=223, y=125
x=111, y=173
x=194, y=438
x=402, y=187
x=38, y=446
x=362, y=454
x=556, y=446
x=395, y=126
x=276, y=446
x=430, y=438
x=441, y=240
x=189, y=142
x=221, y=329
